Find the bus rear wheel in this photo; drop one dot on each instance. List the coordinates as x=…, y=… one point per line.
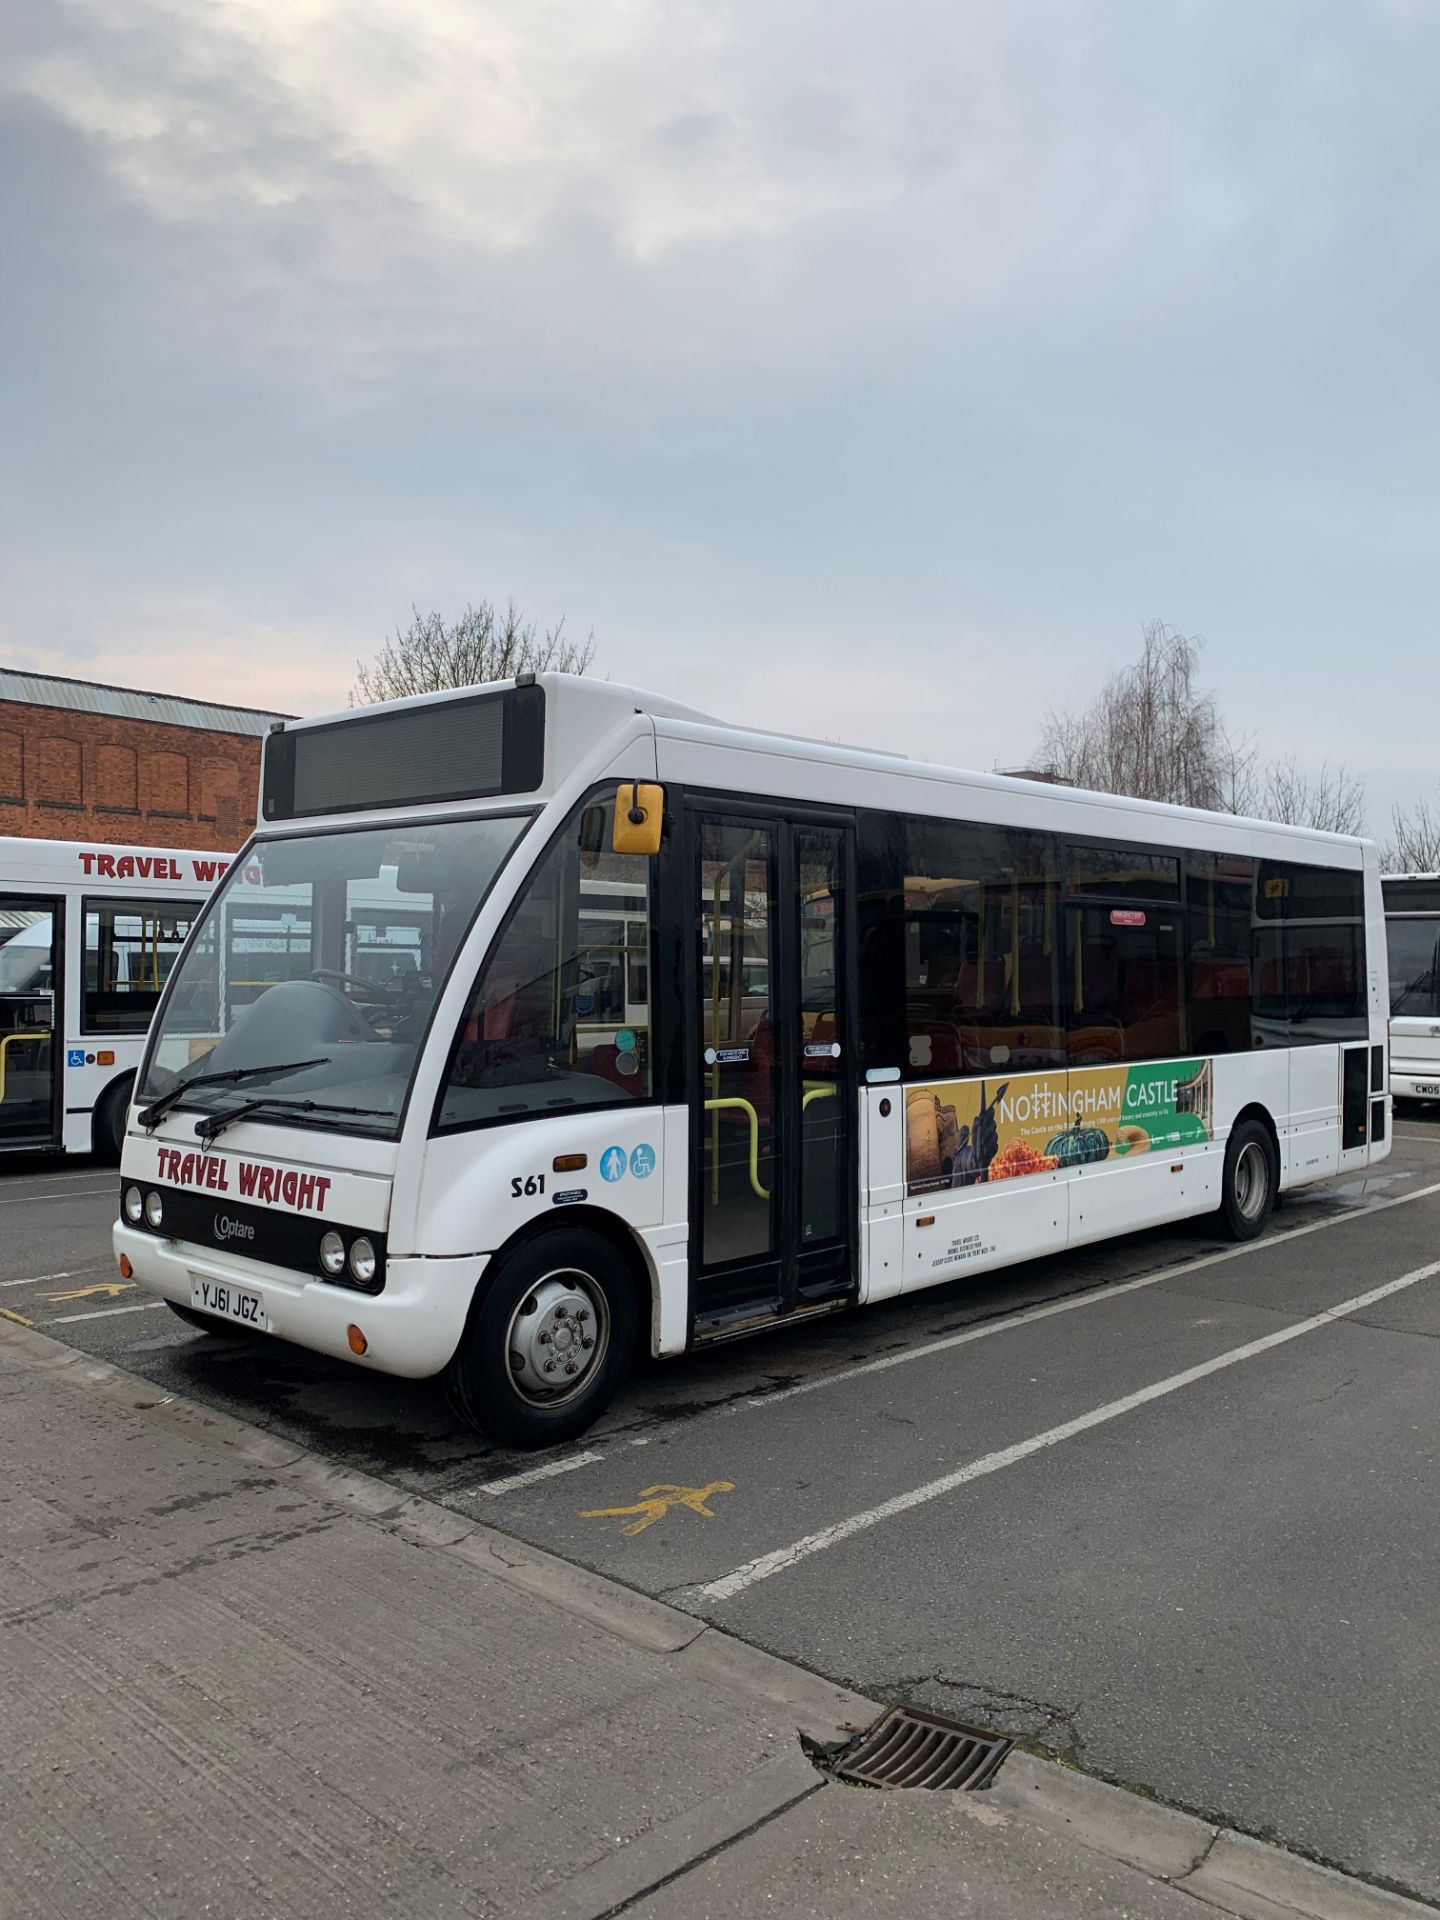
x=549, y=1342
x=1249, y=1183
x=107, y=1128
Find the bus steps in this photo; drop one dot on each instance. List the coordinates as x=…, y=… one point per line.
x=908, y=1747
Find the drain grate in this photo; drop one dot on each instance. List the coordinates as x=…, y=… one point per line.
x=909, y=1748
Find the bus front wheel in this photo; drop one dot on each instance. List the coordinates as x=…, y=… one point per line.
x=549, y=1342
x=1249, y=1183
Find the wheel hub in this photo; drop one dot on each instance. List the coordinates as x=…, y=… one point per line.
x=557, y=1337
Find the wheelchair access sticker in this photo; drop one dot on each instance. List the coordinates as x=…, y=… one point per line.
x=74, y=1056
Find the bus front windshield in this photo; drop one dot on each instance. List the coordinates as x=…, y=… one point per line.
x=314, y=970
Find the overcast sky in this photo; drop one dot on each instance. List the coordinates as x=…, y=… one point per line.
x=875, y=370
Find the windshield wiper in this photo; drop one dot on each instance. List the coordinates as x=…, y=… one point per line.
x=158, y=1108
x=214, y=1123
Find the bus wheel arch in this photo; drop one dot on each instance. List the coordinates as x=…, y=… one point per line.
x=1250, y=1181
x=552, y=1330
x=107, y=1118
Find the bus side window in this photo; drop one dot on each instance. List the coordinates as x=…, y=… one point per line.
x=559, y=1015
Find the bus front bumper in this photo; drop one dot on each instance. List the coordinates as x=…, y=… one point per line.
x=412, y=1328
x=1416, y=1084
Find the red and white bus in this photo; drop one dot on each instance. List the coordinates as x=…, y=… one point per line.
x=88, y=935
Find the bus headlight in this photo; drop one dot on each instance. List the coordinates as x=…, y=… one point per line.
x=362, y=1261
x=332, y=1254
x=154, y=1210
x=134, y=1206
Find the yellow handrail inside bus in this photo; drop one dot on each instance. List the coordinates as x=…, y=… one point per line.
x=713, y=1107
x=9, y=1041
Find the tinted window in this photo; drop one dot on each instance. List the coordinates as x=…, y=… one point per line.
x=1414, y=986
x=1126, y=1001
x=980, y=910
x=1122, y=873
x=1291, y=892
x=1221, y=897
x=1413, y=896
x=130, y=948
x=1309, y=984
x=559, y=1016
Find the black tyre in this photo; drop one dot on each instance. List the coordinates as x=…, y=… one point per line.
x=1249, y=1183
x=201, y=1322
x=107, y=1127
x=548, y=1342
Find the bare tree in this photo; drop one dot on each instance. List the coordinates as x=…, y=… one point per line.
x=1414, y=840
x=483, y=644
x=1154, y=732
x=1332, y=800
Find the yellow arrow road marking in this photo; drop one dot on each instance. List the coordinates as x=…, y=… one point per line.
x=111, y=1288
x=655, y=1502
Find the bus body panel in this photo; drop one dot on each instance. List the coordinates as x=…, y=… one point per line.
x=454, y=1199
x=1412, y=903
x=89, y=1058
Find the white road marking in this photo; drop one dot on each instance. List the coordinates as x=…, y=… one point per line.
x=925, y=1350
x=102, y=1313
x=531, y=1474
x=75, y=1273
x=38, y=1199
x=1095, y=1296
x=783, y=1558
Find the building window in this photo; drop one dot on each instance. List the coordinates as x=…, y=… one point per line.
x=116, y=780
x=167, y=785
x=59, y=782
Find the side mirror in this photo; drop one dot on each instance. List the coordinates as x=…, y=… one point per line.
x=639, y=816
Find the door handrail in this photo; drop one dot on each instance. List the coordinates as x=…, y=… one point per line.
x=35, y=1033
x=827, y=1092
x=734, y=1100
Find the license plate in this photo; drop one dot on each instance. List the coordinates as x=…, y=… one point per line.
x=1428, y=1089
x=229, y=1303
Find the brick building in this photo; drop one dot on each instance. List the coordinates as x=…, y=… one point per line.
x=81, y=761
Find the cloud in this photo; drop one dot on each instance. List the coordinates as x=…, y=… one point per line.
x=639, y=181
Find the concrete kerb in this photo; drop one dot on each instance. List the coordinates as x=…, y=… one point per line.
x=1229, y=1872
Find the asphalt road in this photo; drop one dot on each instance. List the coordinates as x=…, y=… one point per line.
x=1163, y=1509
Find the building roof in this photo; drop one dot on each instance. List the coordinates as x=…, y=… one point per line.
x=129, y=703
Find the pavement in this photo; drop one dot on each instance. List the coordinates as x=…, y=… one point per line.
x=244, y=1680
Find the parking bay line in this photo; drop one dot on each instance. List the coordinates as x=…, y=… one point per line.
x=566, y=1464
x=767, y=1565
x=1004, y=1323
x=39, y=1199
x=103, y=1313
x=75, y=1273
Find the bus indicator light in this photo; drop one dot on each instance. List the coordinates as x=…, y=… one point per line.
x=357, y=1340
x=570, y=1162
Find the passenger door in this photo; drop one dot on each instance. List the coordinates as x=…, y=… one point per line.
x=772, y=1065
x=30, y=1017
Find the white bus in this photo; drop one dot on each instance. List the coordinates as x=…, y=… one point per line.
x=1412, y=934
x=895, y=1025
x=88, y=935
